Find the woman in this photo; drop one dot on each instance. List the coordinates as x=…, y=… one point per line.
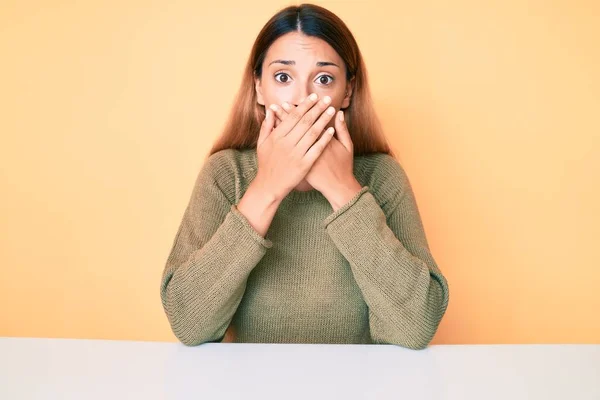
x=292, y=234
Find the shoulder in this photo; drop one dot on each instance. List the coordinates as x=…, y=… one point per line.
x=226, y=168
x=229, y=161
x=385, y=176
x=221, y=162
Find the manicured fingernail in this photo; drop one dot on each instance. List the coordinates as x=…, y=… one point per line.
x=331, y=111
x=330, y=130
x=313, y=97
x=326, y=99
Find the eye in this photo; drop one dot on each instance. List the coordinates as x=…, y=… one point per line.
x=325, y=80
x=320, y=79
x=281, y=74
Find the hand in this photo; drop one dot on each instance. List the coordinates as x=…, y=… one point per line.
x=286, y=153
x=332, y=173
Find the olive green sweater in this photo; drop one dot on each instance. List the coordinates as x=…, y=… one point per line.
x=361, y=274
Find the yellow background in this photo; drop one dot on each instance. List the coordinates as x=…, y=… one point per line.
x=108, y=109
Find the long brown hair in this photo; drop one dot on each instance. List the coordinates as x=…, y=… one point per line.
x=242, y=128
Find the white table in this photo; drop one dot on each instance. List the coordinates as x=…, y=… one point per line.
x=35, y=368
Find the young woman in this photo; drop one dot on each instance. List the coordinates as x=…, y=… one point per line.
x=302, y=227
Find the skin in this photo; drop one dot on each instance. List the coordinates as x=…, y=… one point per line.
x=282, y=87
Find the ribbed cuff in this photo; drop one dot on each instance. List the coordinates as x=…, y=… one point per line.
x=249, y=228
x=343, y=208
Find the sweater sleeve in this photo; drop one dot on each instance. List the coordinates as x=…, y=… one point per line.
x=205, y=275
x=405, y=291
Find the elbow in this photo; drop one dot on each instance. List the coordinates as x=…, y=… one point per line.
x=187, y=336
x=419, y=346
x=416, y=341
x=430, y=317
x=407, y=341
x=186, y=324
x=191, y=333
x=401, y=333
x=197, y=338
x=420, y=343
x=429, y=323
x=186, y=332
x=416, y=330
x=414, y=327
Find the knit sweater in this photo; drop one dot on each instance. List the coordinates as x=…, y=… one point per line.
x=360, y=274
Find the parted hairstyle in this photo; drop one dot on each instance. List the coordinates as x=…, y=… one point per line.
x=242, y=127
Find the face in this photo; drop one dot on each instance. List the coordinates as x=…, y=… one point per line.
x=297, y=65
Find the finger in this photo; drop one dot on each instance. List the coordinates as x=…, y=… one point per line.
x=265, y=128
x=307, y=122
x=317, y=149
x=342, y=131
x=278, y=111
x=286, y=106
x=285, y=112
x=296, y=115
x=307, y=139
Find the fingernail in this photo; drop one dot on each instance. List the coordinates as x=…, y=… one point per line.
x=341, y=115
x=285, y=105
x=267, y=113
x=273, y=107
x=331, y=111
x=313, y=97
x=326, y=99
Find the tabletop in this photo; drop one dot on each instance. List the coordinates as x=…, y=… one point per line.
x=44, y=368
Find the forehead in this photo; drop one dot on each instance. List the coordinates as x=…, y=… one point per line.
x=302, y=49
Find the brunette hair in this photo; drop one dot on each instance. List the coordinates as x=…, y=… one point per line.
x=242, y=128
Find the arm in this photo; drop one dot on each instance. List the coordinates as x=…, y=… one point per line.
x=214, y=251
x=406, y=293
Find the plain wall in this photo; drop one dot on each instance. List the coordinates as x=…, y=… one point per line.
x=108, y=109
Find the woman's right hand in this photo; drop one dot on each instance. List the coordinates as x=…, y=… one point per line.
x=286, y=154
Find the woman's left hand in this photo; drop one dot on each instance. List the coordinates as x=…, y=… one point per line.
x=332, y=174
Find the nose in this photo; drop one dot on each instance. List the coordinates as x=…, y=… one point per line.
x=301, y=93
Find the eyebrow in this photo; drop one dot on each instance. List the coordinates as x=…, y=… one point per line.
x=292, y=62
